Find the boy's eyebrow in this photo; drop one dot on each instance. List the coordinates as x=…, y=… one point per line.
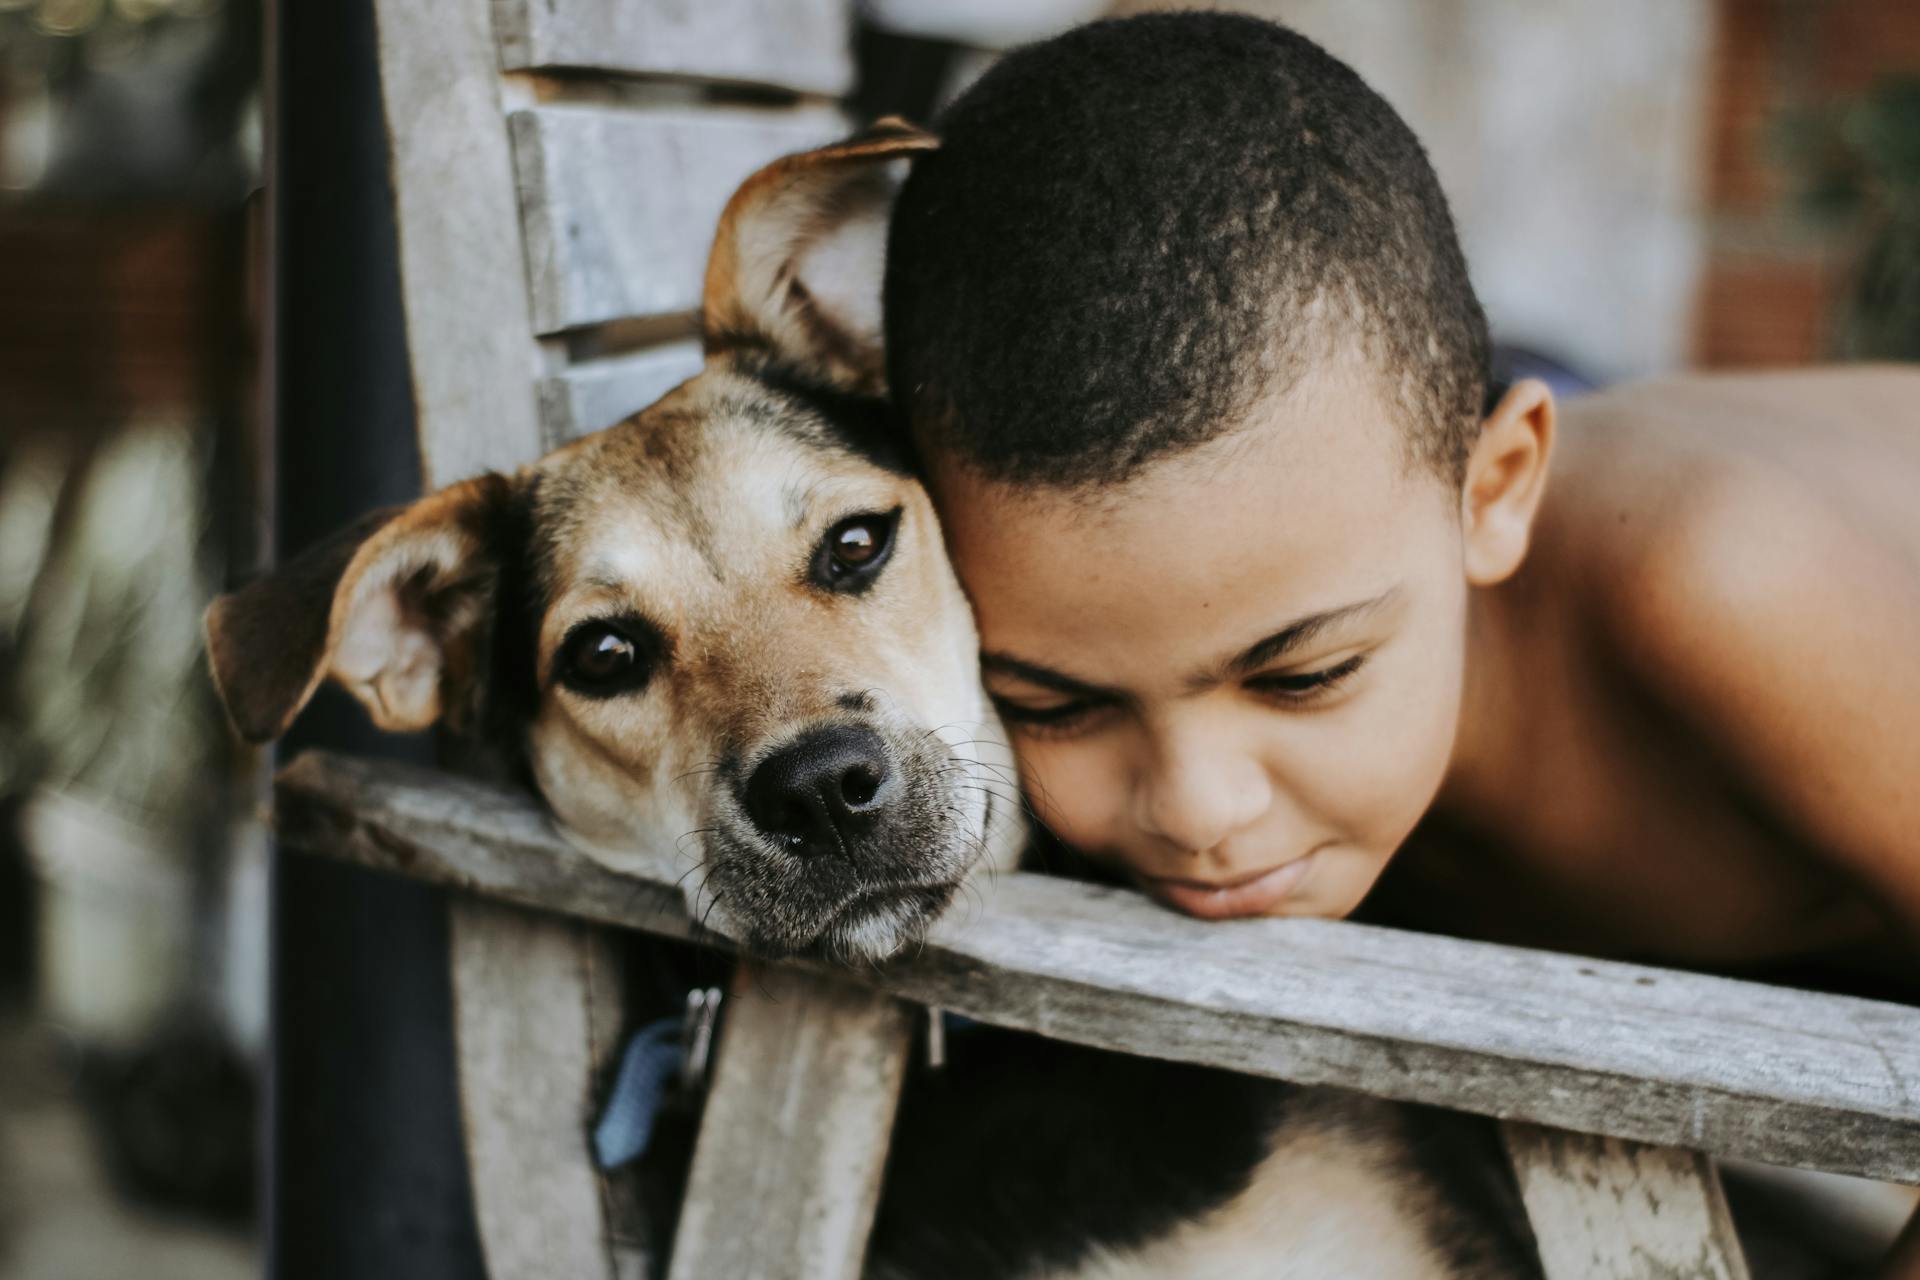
x=1292, y=636
x=1045, y=677
x=1249, y=660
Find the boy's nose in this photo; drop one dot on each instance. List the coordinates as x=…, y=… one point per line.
x=1195, y=800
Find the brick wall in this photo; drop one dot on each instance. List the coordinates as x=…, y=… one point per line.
x=1774, y=275
x=106, y=314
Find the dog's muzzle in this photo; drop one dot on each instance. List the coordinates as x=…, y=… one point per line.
x=847, y=839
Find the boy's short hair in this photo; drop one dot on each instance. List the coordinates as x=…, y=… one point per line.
x=1134, y=230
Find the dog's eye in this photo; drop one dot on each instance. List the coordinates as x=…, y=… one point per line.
x=855, y=544
x=600, y=659
x=851, y=554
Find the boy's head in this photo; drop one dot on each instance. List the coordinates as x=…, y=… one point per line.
x=1135, y=231
x=1183, y=329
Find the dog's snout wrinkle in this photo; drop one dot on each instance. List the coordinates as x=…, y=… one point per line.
x=815, y=794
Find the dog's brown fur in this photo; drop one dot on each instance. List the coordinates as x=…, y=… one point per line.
x=692, y=525
x=696, y=529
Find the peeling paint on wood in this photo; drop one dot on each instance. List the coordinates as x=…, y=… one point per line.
x=1603, y=1209
x=796, y=1126
x=536, y=1013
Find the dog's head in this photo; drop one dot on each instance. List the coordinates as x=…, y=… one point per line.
x=725, y=625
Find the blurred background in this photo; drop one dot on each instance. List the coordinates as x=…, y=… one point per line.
x=1642, y=186
x=132, y=872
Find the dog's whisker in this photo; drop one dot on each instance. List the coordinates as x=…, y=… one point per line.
x=973, y=772
x=712, y=766
x=679, y=848
x=964, y=762
x=713, y=904
x=695, y=868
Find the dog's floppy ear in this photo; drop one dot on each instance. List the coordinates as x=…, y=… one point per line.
x=392, y=607
x=797, y=262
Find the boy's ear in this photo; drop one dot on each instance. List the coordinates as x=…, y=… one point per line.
x=1506, y=475
x=797, y=262
x=392, y=607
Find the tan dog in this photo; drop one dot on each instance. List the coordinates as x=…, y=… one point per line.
x=730, y=614
x=730, y=619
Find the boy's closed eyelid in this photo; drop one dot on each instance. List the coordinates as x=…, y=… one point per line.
x=1301, y=686
x=1320, y=679
x=1320, y=663
x=1043, y=703
x=1063, y=718
x=1296, y=635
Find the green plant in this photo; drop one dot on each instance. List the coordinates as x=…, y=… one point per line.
x=1857, y=165
x=101, y=588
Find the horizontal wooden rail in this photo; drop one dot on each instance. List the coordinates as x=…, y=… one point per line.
x=588, y=397
x=1679, y=1059
x=619, y=205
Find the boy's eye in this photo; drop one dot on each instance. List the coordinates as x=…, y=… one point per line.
x=1304, y=686
x=1060, y=717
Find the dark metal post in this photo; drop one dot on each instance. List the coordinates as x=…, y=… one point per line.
x=368, y=1173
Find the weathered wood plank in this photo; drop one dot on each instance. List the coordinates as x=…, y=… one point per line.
x=588, y=397
x=1677, y=1059
x=531, y=993
x=620, y=206
x=804, y=45
x=535, y=1013
x=797, y=1124
x=1603, y=1209
x=469, y=339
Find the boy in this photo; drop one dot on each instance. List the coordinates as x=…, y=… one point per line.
x=1274, y=594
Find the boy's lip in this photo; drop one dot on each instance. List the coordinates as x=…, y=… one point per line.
x=1253, y=895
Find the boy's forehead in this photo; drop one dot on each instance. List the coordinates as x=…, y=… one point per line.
x=1307, y=503
x=1328, y=440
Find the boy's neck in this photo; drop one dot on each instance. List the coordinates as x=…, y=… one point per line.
x=1513, y=628
x=1489, y=743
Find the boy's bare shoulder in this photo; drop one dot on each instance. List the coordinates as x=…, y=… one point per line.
x=1812, y=393
x=1750, y=548
x=1705, y=490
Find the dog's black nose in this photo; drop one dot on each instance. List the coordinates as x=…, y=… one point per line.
x=813, y=794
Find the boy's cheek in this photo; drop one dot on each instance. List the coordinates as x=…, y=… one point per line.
x=1335, y=888
x=1074, y=790
x=1399, y=758
x=1398, y=763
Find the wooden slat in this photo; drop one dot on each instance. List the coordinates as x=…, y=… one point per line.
x=786, y=1176
x=1603, y=1209
x=531, y=1016
x=536, y=1015
x=588, y=397
x=1726, y=1067
x=620, y=205
x=469, y=339
x=804, y=45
